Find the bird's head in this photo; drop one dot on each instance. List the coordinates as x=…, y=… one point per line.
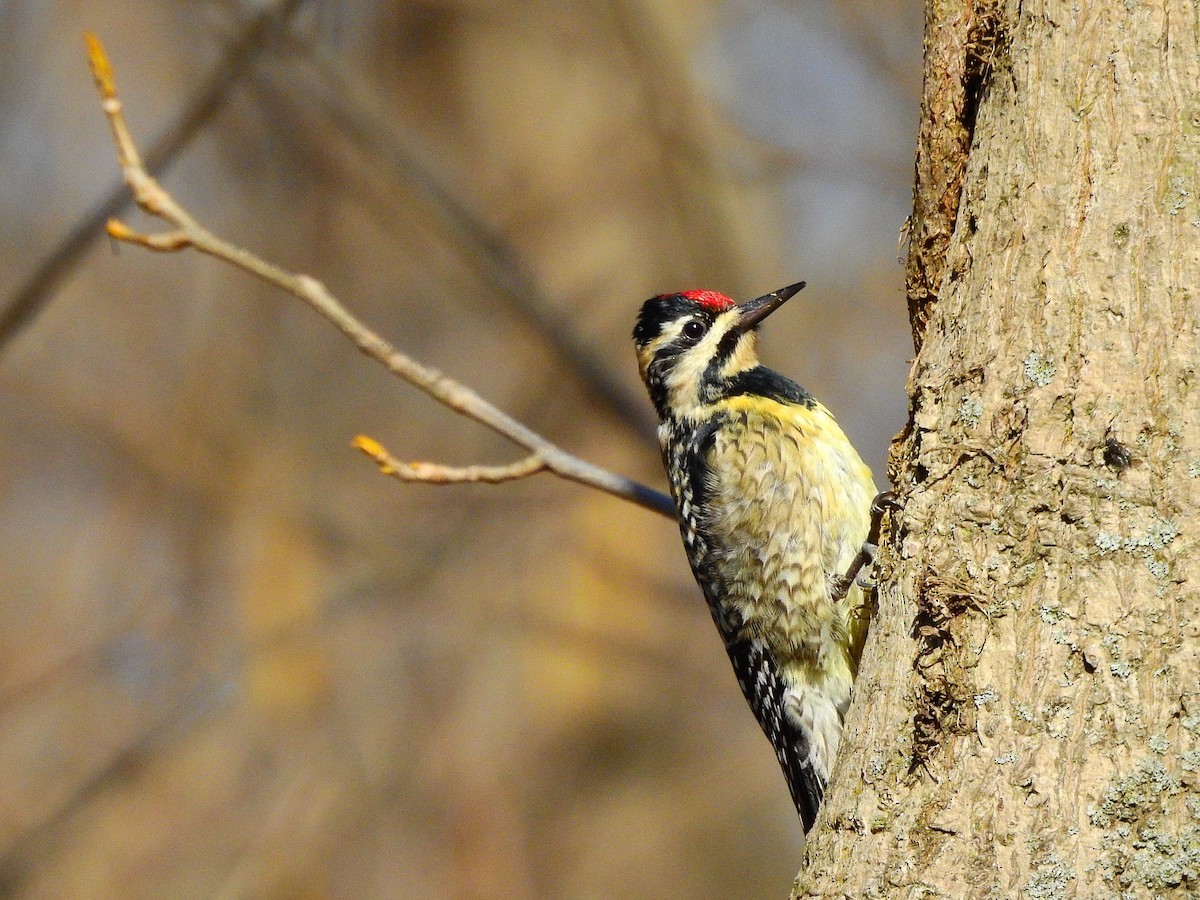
x=691, y=344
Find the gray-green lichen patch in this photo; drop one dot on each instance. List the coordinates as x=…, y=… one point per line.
x=969, y=411
x=1158, y=744
x=1059, y=726
x=1158, y=568
x=1039, y=369
x=1192, y=802
x=1112, y=643
x=1138, y=852
x=1050, y=880
x=1148, y=545
x=1156, y=537
x=1180, y=194
x=1051, y=615
x=1158, y=860
x=1135, y=795
x=986, y=696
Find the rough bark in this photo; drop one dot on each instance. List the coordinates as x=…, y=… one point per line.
x=959, y=48
x=1028, y=721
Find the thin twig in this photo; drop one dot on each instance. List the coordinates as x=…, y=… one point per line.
x=32, y=296
x=187, y=232
x=435, y=473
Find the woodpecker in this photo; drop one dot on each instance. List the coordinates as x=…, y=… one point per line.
x=774, y=505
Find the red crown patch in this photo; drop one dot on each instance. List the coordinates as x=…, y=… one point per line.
x=710, y=300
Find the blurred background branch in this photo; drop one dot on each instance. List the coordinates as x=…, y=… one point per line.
x=352, y=105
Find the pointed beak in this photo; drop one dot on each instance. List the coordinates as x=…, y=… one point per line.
x=755, y=311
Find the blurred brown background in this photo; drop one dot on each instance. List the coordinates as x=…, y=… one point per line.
x=237, y=662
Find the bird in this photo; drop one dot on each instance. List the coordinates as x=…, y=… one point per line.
x=774, y=505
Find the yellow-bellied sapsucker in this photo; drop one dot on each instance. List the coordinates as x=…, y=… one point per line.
x=774, y=504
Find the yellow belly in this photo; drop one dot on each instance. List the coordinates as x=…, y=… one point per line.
x=788, y=508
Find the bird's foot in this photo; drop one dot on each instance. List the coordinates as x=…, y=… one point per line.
x=861, y=571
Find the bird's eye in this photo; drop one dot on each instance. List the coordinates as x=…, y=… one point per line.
x=694, y=330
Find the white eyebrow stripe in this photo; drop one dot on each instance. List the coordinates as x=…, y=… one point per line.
x=671, y=330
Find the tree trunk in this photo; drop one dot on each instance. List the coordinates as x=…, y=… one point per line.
x=1028, y=713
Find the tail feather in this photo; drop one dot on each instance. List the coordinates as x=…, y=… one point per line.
x=805, y=783
x=801, y=722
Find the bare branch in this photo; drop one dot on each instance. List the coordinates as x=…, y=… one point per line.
x=187, y=232
x=434, y=473
x=240, y=53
